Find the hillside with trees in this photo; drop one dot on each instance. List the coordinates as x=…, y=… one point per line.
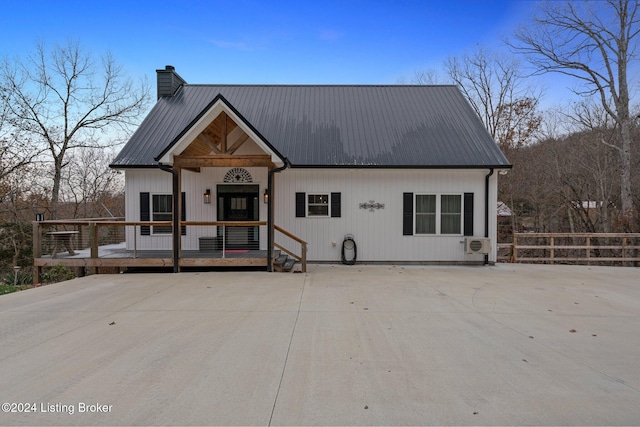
x=568, y=183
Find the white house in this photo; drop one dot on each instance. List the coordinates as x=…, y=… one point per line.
x=408, y=171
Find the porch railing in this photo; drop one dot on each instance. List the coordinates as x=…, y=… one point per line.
x=113, y=242
x=225, y=236
x=572, y=248
x=59, y=236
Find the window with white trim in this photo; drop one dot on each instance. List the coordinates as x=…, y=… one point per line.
x=425, y=214
x=438, y=214
x=451, y=214
x=318, y=204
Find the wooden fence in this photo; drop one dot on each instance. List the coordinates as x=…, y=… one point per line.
x=572, y=248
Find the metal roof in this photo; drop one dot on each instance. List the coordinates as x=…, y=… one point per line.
x=332, y=126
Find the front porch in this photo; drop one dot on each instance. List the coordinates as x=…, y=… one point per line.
x=92, y=244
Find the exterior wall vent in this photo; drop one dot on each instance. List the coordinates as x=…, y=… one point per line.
x=477, y=245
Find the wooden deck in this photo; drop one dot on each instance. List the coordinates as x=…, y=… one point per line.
x=118, y=256
x=96, y=243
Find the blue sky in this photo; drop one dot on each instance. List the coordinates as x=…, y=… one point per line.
x=298, y=42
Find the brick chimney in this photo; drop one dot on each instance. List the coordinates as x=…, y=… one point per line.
x=168, y=81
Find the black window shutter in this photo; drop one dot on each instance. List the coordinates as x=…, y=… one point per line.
x=468, y=214
x=335, y=205
x=183, y=214
x=407, y=214
x=145, y=213
x=301, y=205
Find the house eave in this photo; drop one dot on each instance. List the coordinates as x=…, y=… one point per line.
x=124, y=167
x=357, y=166
x=347, y=166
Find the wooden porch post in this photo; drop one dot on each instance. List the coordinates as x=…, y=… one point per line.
x=93, y=242
x=37, y=252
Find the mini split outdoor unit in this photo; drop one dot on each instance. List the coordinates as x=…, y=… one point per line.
x=477, y=245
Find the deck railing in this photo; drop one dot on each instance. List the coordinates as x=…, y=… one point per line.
x=60, y=236
x=100, y=242
x=572, y=248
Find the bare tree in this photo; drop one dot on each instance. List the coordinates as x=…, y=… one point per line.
x=88, y=182
x=587, y=179
x=593, y=42
x=428, y=77
x=517, y=123
x=494, y=87
x=16, y=152
x=65, y=99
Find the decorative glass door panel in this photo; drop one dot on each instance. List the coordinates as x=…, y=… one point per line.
x=239, y=203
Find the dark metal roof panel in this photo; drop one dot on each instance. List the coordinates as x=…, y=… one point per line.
x=377, y=126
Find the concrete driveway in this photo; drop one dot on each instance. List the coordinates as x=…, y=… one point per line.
x=361, y=345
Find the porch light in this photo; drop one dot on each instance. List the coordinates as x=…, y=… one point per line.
x=207, y=197
x=265, y=196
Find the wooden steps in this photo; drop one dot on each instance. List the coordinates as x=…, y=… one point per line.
x=282, y=262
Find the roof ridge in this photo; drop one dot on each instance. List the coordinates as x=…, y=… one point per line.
x=314, y=85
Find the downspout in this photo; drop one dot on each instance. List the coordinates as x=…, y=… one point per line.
x=176, y=220
x=486, y=210
x=270, y=207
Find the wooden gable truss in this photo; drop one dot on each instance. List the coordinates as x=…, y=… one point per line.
x=217, y=145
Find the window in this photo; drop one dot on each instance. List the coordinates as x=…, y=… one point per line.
x=438, y=214
x=239, y=203
x=425, y=214
x=161, y=211
x=158, y=208
x=450, y=214
x=318, y=205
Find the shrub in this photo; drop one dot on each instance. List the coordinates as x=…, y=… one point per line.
x=57, y=273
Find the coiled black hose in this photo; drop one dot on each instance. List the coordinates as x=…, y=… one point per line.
x=349, y=244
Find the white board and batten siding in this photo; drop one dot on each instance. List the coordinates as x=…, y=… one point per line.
x=379, y=233
x=194, y=185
